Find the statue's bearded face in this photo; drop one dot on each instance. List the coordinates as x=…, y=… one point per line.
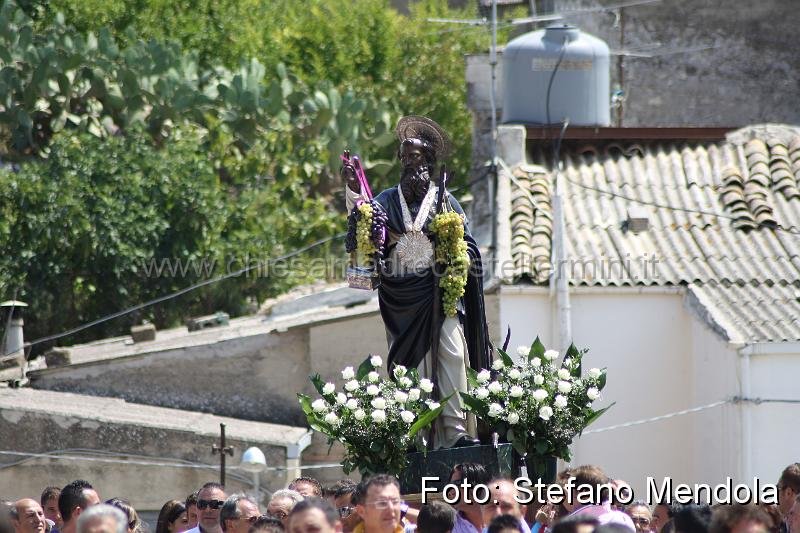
x=417, y=169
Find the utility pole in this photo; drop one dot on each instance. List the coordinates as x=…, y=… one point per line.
x=222, y=450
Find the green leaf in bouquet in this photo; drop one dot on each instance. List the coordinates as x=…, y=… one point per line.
x=428, y=417
x=472, y=377
x=316, y=380
x=596, y=414
x=542, y=446
x=574, y=354
x=601, y=381
x=537, y=349
x=473, y=404
x=376, y=446
x=364, y=368
x=413, y=375
x=305, y=405
x=507, y=360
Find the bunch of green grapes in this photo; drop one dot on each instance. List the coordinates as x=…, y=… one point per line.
x=451, y=251
x=364, y=230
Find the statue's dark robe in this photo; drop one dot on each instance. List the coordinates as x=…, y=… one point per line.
x=406, y=301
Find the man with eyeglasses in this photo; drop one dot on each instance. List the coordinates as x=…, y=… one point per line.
x=641, y=516
x=210, y=499
x=237, y=513
x=345, y=506
x=379, y=505
x=282, y=503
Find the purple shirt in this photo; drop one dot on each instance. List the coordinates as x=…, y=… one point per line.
x=605, y=515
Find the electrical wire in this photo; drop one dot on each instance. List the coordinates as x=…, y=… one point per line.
x=175, y=294
x=658, y=418
x=175, y=463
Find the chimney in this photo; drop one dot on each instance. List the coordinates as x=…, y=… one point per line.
x=638, y=220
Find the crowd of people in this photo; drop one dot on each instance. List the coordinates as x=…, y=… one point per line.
x=375, y=505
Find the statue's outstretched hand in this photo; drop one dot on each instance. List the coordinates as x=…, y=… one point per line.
x=348, y=173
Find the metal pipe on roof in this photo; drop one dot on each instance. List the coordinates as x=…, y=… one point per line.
x=562, y=297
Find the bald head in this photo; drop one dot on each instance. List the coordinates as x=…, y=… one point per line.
x=27, y=516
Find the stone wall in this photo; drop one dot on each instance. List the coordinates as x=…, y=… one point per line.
x=247, y=377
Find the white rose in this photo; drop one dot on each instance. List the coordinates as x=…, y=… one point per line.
x=498, y=364
x=341, y=399
x=359, y=414
x=378, y=416
x=348, y=373
x=560, y=401
x=352, y=404
x=495, y=409
x=331, y=418
x=482, y=393
x=514, y=373
x=373, y=390
x=564, y=386
x=373, y=377
x=400, y=396
x=432, y=405
x=523, y=350
x=551, y=355
x=563, y=373
x=407, y=416
x=512, y=418
x=594, y=373
x=484, y=376
x=536, y=362
x=592, y=393
x=545, y=412
x=495, y=387
x=413, y=395
x=538, y=379
x=378, y=403
x=405, y=382
x=328, y=388
x=399, y=371
x=376, y=361
x=426, y=385
x=351, y=385
x=319, y=405
x=539, y=395
x=516, y=391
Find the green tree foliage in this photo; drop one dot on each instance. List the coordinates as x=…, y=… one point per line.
x=414, y=65
x=202, y=130
x=86, y=232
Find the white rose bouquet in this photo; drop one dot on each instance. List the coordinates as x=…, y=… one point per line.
x=375, y=419
x=538, y=405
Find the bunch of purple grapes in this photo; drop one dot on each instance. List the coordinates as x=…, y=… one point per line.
x=379, y=221
x=350, y=244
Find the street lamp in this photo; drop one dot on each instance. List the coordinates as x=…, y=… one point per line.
x=253, y=461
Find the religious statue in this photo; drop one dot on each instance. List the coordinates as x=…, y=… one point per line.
x=420, y=333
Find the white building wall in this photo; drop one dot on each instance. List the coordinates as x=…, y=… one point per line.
x=660, y=359
x=775, y=426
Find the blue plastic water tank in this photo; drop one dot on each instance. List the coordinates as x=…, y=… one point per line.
x=580, y=89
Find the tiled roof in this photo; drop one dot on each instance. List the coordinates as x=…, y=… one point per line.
x=720, y=214
x=750, y=312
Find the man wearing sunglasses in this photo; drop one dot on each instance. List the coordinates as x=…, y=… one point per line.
x=210, y=499
x=238, y=512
